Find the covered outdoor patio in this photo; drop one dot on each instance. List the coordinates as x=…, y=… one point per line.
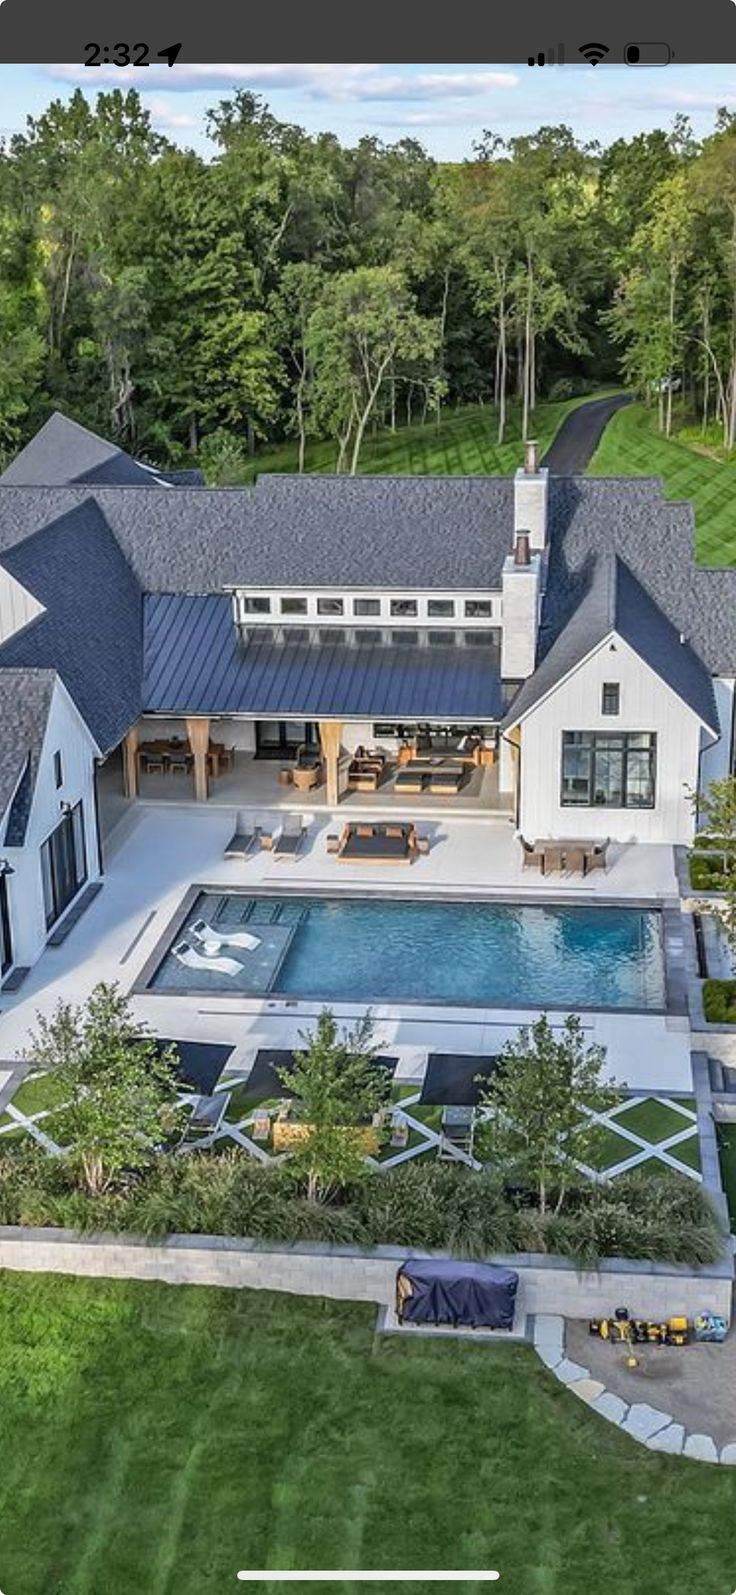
x=225, y=761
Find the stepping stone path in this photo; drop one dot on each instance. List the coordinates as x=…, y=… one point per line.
x=656, y=1430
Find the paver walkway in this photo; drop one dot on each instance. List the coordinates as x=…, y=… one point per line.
x=680, y=1400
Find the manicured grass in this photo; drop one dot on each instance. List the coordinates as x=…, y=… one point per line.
x=687, y=1152
x=631, y=446
x=39, y=1092
x=652, y=1120
x=464, y=444
x=157, y=1439
x=606, y=1149
x=727, y=1156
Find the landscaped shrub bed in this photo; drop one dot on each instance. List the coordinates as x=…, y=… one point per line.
x=719, y=1001
x=706, y=873
x=661, y=1217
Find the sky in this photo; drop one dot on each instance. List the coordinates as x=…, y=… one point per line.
x=445, y=106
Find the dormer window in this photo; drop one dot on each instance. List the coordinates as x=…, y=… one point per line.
x=293, y=606
x=611, y=698
x=255, y=606
x=479, y=609
x=330, y=606
x=440, y=608
x=403, y=607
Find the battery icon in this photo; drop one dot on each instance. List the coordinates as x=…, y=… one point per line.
x=647, y=54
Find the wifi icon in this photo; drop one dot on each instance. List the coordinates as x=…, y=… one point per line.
x=593, y=52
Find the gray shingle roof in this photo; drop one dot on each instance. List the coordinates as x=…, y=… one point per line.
x=196, y=662
x=615, y=601
x=318, y=531
x=64, y=452
x=92, y=630
x=25, y=700
x=628, y=516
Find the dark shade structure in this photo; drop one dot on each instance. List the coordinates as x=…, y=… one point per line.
x=200, y=1063
x=441, y=1291
x=456, y=1079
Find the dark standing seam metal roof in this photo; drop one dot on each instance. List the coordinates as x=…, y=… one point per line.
x=615, y=601
x=25, y=700
x=196, y=662
x=92, y=630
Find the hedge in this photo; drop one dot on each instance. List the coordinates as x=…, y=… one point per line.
x=719, y=1001
x=657, y=1215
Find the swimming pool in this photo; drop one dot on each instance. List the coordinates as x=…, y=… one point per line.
x=457, y=953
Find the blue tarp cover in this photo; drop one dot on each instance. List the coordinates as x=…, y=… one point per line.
x=442, y=1291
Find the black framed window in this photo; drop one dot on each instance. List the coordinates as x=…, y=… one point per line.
x=404, y=606
x=615, y=771
x=366, y=606
x=440, y=608
x=6, y=940
x=610, y=697
x=293, y=606
x=63, y=864
x=479, y=608
x=330, y=606
x=58, y=771
x=255, y=606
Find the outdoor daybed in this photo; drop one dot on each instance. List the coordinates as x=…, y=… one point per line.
x=388, y=843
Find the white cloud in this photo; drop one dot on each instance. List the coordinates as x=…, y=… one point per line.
x=167, y=116
x=366, y=81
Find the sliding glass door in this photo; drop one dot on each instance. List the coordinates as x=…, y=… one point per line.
x=63, y=864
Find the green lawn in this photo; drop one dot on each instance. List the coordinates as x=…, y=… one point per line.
x=631, y=446
x=464, y=445
x=157, y=1439
x=652, y=1120
x=727, y=1156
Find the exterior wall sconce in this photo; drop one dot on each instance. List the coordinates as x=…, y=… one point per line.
x=65, y=806
x=5, y=867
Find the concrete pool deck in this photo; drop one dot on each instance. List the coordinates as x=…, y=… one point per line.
x=155, y=854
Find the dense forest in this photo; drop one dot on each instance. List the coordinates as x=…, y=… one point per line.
x=196, y=308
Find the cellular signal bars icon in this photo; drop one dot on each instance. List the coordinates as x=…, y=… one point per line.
x=555, y=53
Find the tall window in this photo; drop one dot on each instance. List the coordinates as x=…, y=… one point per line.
x=58, y=771
x=63, y=864
x=610, y=697
x=611, y=772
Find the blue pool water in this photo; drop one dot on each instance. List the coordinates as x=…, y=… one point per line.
x=492, y=954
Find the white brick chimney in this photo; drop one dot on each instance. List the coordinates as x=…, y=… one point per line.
x=530, y=498
x=521, y=589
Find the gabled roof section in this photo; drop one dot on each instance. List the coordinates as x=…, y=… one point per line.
x=25, y=701
x=63, y=452
x=615, y=602
x=92, y=630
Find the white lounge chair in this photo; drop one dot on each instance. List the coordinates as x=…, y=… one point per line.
x=224, y=938
x=194, y=960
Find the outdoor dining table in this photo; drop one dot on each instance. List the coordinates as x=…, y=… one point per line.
x=558, y=855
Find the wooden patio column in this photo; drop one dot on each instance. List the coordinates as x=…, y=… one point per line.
x=198, y=732
x=130, y=762
x=330, y=736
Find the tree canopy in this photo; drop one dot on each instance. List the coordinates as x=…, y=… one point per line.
x=292, y=286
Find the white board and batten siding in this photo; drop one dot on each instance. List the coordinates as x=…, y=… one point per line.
x=66, y=733
x=718, y=757
x=18, y=607
x=646, y=704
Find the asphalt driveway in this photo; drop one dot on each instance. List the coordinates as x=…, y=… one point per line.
x=579, y=436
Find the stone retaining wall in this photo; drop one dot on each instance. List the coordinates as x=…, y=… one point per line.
x=546, y=1284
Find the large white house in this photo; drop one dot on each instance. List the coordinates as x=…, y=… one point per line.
x=558, y=627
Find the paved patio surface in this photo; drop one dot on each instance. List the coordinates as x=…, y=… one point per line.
x=157, y=852
x=695, y=1384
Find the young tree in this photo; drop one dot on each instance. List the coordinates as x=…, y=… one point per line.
x=539, y=1093
x=339, y=1086
x=291, y=308
x=120, y=1094
x=716, y=815
x=365, y=324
